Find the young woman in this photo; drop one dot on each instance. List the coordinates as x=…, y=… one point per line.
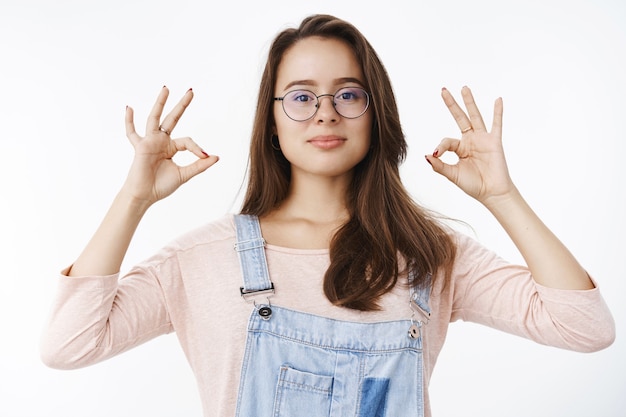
x=331, y=292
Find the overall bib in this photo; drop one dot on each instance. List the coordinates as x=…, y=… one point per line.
x=302, y=365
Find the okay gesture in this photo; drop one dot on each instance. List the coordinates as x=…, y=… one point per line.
x=481, y=170
x=154, y=175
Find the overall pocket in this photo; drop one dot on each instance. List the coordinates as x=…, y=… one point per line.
x=301, y=393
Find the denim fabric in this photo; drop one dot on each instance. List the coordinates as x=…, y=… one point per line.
x=374, y=397
x=299, y=364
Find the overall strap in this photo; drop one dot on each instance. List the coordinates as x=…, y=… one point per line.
x=419, y=299
x=250, y=247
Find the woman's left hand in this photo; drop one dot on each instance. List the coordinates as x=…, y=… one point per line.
x=481, y=170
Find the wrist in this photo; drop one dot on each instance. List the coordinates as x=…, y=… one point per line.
x=504, y=203
x=132, y=203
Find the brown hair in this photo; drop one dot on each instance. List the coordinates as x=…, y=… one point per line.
x=384, y=220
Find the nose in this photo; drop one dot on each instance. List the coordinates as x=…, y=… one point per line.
x=326, y=111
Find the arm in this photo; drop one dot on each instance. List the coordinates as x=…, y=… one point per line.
x=95, y=315
x=488, y=290
x=482, y=173
x=152, y=176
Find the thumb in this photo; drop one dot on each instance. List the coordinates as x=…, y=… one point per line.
x=197, y=167
x=440, y=167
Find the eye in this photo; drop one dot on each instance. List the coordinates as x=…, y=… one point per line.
x=301, y=97
x=347, y=95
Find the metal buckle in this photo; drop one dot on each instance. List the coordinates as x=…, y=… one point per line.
x=264, y=310
x=416, y=308
x=415, y=330
x=251, y=293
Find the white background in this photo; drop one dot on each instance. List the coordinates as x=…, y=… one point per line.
x=69, y=68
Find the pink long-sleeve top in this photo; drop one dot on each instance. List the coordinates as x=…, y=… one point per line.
x=192, y=287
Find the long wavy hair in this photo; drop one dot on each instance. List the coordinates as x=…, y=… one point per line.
x=387, y=231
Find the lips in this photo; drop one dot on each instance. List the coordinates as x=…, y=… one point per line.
x=327, y=142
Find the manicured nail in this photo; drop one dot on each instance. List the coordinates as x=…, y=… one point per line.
x=205, y=154
x=444, y=89
x=436, y=152
x=427, y=160
x=190, y=89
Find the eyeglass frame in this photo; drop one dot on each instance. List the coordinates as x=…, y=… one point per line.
x=317, y=105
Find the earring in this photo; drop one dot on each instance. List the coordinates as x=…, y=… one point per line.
x=275, y=143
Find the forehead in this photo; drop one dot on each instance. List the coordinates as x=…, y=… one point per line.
x=319, y=61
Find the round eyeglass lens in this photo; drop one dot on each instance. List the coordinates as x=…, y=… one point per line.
x=300, y=105
x=349, y=102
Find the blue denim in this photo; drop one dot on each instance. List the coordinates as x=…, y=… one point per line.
x=299, y=364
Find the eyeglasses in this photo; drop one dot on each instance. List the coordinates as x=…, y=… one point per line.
x=301, y=105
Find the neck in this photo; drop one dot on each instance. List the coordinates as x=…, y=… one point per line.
x=310, y=215
x=316, y=199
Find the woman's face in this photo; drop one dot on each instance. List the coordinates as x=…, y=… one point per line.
x=327, y=144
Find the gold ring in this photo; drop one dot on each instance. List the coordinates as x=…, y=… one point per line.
x=467, y=129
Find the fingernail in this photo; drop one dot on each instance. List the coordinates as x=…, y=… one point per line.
x=436, y=152
x=205, y=154
x=444, y=89
x=427, y=160
x=190, y=89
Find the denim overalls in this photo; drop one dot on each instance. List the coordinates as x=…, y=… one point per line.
x=301, y=365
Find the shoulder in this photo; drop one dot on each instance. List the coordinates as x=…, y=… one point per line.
x=213, y=238
x=471, y=252
x=221, y=229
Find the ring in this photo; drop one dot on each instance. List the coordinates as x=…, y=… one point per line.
x=467, y=129
x=163, y=130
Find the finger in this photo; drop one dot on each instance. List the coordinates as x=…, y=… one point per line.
x=171, y=120
x=447, y=170
x=446, y=144
x=461, y=119
x=200, y=165
x=154, y=118
x=440, y=167
x=496, y=125
x=188, y=144
x=131, y=134
x=189, y=171
x=476, y=119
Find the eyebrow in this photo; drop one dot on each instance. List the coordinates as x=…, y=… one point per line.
x=342, y=80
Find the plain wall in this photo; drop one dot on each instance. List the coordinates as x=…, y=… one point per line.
x=69, y=68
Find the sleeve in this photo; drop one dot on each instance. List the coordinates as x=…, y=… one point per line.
x=95, y=318
x=490, y=291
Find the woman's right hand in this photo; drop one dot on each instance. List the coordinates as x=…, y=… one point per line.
x=153, y=174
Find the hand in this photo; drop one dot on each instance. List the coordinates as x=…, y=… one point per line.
x=153, y=175
x=481, y=170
